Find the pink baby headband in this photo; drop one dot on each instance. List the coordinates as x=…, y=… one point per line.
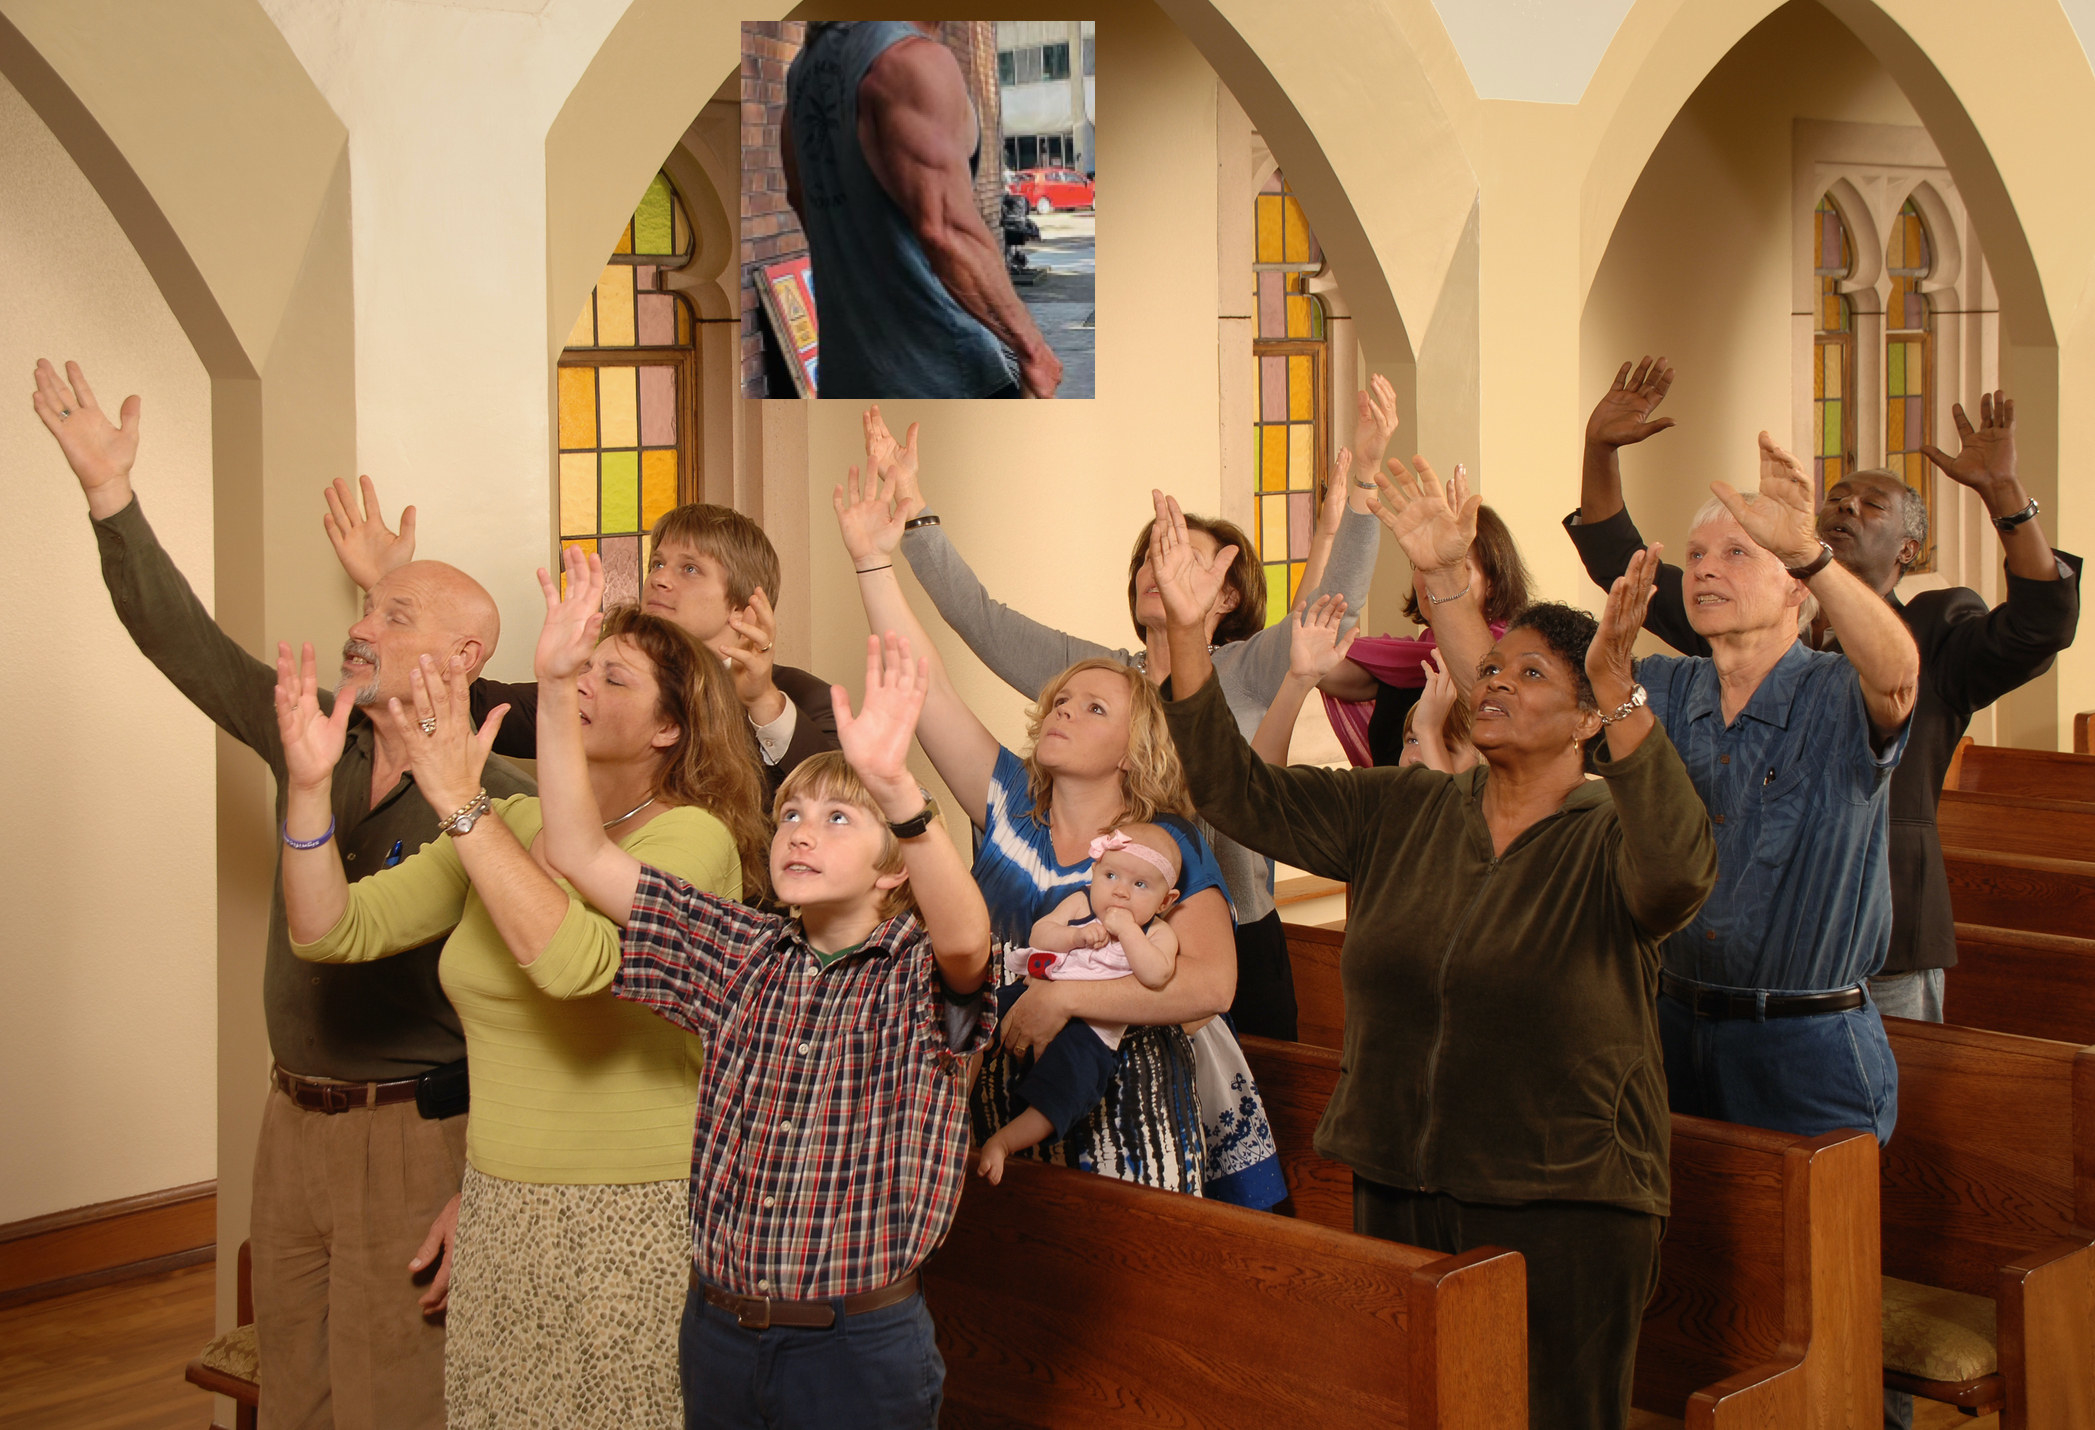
x=1119, y=843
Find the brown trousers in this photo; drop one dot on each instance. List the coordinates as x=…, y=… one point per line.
x=342, y=1202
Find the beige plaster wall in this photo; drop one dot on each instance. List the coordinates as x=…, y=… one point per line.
x=109, y=1028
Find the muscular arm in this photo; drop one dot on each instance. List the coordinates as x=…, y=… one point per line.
x=917, y=130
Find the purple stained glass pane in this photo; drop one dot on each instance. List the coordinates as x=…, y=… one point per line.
x=621, y=570
x=1301, y=524
x=1914, y=411
x=1272, y=305
x=658, y=320
x=658, y=406
x=644, y=277
x=1273, y=388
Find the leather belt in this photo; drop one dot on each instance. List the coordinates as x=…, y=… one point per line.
x=1719, y=1003
x=314, y=1095
x=757, y=1313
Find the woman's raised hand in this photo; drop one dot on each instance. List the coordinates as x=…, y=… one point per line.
x=896, y=460
x=868, y=516
x=1315, y=646
x=1783, y=518
x=312, y=741
x=1609, y=665
x=1434, y=522
x=1188, y=582
x=443, y=750
x=876, y=740
x=1375, y=422
x=574, y=616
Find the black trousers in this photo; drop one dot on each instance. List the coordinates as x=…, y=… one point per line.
x=1265, y=1001
x=1591, y=1271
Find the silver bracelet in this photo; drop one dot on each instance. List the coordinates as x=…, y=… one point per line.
x=1637, y=698
x=1442, y=600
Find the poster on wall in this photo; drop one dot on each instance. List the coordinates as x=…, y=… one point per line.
x=788, y=291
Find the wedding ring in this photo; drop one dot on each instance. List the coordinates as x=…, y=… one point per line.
x=64, y=412
x=429, y=726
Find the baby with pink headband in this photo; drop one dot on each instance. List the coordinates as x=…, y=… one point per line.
x=1112, y=929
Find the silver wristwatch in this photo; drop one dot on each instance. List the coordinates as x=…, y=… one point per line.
x=463, y=821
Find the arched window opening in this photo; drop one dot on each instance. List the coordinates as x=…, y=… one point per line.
x=1833, y=349
x=1292, y=354
x=1909, y=363
x=628, y=398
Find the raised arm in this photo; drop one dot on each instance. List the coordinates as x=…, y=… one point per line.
x=315, y=890
x=1316, y=648
x=917, y=129
x=959, y=744
x=1783, y=520
x=364, y=544
x=1985, y=463
x=1621, y=419
x=1435, y=524
x=876, y=742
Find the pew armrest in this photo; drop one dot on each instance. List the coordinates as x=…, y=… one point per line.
x=1463, y=1312
x=1773, y=1393
x=2047, y=1336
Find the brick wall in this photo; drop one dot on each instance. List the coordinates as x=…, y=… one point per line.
x=770, y=231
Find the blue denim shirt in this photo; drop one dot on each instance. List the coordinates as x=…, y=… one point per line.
x=1798, y=801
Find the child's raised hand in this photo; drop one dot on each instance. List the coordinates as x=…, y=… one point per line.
x=1439, y=695
x=1315, y=646
x=876, y=740
x=868, y=515
x=574, y=616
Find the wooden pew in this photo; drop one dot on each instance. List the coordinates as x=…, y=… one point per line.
x=1068, y=1299
x=1767, y=1311
x=1989, y=1193
x=2030, y=774
x=2021, y=891
x=2037, y=985
x=2012, y=824
x=1320, y=1001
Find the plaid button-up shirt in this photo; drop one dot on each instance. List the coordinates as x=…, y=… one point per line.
x=832, y=1111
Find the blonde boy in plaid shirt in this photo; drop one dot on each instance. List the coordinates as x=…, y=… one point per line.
x=832, y=1130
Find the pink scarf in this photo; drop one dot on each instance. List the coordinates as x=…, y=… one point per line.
x=1393, y=660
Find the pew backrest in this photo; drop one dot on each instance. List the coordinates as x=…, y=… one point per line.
x=1063, y=1298
x=2035, y=985
x=2031, y=774
x=2021, y=891
x=2014, y=824
x=1320, y=998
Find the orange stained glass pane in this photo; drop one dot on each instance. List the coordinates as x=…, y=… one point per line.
x=1302, y=462
x=621, y=500
x=1298, y=317
x=1269, y=224
x=1276, y=593
x=1295, y=232
x=683, y=323
x=618, y=397
x=1295, y=570
x=1302, y=396
x=583, y=335
x=658, y=485
x=1273, y=468
x=577, y=493
x=584, y=545
x=1818, y=373
x=614, y=307
x=625, y=239
x=1273, y=528
x=577, y=407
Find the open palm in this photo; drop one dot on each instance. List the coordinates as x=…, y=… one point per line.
x=574, y=616
x=1188, y=581
x=312, y=741
x=99, y=451
x=1623, y=415
x=1782, y=518
x=876, y=740
x=1434, y=522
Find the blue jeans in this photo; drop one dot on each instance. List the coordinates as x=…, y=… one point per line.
x=1804, y=1075
x=879, y=1369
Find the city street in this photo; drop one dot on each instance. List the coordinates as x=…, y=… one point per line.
x=1061, y=298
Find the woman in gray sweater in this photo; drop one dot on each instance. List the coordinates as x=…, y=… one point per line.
x=1250, y=656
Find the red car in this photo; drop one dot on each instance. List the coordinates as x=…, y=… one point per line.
x=1046, y=190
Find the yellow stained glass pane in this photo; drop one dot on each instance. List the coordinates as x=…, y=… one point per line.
x=577, y=407
x=1269, y=240
x=577, y=493
x=625, y=239
x=583, y=334
x=1298, y=317
x=658, y=485
x=1917, y=472
x=1836, y=379
x=1276, y=593
x=585, y=546
x=1273, y=466
x=1273, y=528
x=1302, y=464
x=653, y=227
x=621, y=509
x=614, y=307
x=1302, y=396
x=618, y=394
x=1295, y=234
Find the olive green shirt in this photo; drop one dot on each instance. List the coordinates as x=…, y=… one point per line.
x=1501, y=1040
x=369, y=1022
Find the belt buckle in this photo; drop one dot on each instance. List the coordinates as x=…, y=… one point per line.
x=753, y=1313
x=334, y=1099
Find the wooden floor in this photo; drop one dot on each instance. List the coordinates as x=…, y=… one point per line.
x=110, y=1358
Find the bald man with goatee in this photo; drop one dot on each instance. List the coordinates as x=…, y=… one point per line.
x=363, y=1131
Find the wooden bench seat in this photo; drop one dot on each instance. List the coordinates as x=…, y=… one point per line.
x=2037, y=985
x=229, y=1365
x=1767, y=1308
x=1989, y=1192
x=1068, y=1299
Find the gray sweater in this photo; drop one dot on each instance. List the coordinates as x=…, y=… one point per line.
x=1026, y=655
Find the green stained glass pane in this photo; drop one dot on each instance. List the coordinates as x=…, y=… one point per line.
x=653, y=224
x=1276, y=593
x=1895, y=370
x=1316, y=317
x=1830, y=435
x=621, y=499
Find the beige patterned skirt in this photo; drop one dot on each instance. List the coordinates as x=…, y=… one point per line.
x=565, y=1304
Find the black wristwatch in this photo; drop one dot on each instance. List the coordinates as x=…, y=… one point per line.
x=917, y=823
x=927, y=519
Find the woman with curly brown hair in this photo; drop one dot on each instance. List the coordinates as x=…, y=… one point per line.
x=568, y=1265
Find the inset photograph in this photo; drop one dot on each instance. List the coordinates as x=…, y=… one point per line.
x=918, y=209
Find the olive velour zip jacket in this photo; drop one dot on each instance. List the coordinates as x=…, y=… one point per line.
x=1502, y=1041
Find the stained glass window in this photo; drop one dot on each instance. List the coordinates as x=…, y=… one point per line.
x=1291, y=354
x=1832, y=349
x=627, y=397
x=1909, y=362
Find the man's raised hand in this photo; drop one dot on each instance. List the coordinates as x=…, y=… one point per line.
x=1623, y=418
x=99, y=451
x=364, y=544
x=1188, y=582
x=1985, y=454
x=312, y=741
x=574, y=616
